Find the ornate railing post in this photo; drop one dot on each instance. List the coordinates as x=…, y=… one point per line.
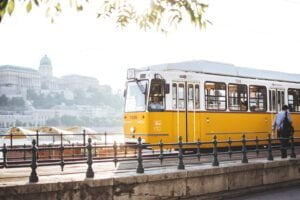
x=180, y=154
x=37, y=138
x=115, y=153
x=215, y=152
x=256, y=146
x=198, y=150
x=270, y=156
x=244, y=149
x=33, y=176
x=84, y=142
x=11, y=139
x=161, y=154
x=4, y=151
x=24, y=153
x=62, y=148
x=293, y=155
x=230, y=148
x=140, y=168
x=90, y=172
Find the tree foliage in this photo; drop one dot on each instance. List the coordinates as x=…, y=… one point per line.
x=13, y=104
x=160, y=15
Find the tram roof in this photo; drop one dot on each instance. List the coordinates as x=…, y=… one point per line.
x=218, y=68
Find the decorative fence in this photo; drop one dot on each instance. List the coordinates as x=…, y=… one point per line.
x=67, y=154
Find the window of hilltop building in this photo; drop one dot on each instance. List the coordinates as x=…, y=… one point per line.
x=294, y=100
x=215, y=96
x=156, y=98
x=257, y=98
x=237, y=97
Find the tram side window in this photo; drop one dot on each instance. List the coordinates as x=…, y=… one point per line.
x=294, y=100
x=237, y=97
x=215, y=96
x=258, y=98
x=181, y=96
x=197, y=97
x=174, y=95
x=156, y=98
x=190, y=96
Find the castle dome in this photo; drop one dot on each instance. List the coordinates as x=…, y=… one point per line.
x=45, y=61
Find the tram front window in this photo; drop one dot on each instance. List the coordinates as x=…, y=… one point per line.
x=156, y=98
x=135, y=96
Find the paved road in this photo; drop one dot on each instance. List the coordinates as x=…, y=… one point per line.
x=286, y=193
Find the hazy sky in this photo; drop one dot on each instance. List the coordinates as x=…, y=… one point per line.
x=262, y=34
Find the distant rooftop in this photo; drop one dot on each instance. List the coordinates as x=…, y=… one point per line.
x=218, y=68
x=17, y=68
x=78, y=76
x=45, y=61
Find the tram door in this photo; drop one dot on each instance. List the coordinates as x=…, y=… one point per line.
x=186, y=103
x=276, y=99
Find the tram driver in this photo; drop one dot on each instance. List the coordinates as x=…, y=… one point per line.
x=156, y=104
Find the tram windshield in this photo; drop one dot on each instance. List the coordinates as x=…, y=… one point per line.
x=135, y=96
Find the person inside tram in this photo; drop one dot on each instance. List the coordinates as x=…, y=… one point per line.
x=156, y=104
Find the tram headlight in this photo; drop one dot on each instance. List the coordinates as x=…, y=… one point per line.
x=132, y=130
x=130, y=73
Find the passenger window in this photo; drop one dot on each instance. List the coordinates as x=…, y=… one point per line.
x=197, y=97
x=181, y=96
x=190, y=97
x=174, y=96
x=258, y=98
x=215, y=96
x=237, y=97
x=294, y=100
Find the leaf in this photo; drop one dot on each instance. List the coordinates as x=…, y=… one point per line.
x=79, y=8
x=2, y=12
x=29, y=6
x=3, y=4
x=58, y=7
x=10, y=6
x=36, y=2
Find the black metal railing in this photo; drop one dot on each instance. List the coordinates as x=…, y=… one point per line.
x=63, y=154
x=40, y=137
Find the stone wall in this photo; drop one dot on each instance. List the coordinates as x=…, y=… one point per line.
x=196, y=182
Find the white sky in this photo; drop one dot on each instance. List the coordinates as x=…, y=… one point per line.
x=262, y=34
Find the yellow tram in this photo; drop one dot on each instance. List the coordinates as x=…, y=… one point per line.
x=200, y=99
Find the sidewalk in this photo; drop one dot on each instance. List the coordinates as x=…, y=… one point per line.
x=286, y=193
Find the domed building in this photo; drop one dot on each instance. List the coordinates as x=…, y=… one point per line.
x=46, y=72
x=46, y=67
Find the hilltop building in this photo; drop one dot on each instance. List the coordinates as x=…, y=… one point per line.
x=15, y=80
x=48, y=82
x=74, y=82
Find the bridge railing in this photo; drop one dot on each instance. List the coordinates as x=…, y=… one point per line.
x=68, y=154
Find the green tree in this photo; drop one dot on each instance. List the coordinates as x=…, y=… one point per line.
x=31, y=94
x=68, y=120
x=19, y=123
x=152, y=14
x=53, y=121
x=3, y=100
